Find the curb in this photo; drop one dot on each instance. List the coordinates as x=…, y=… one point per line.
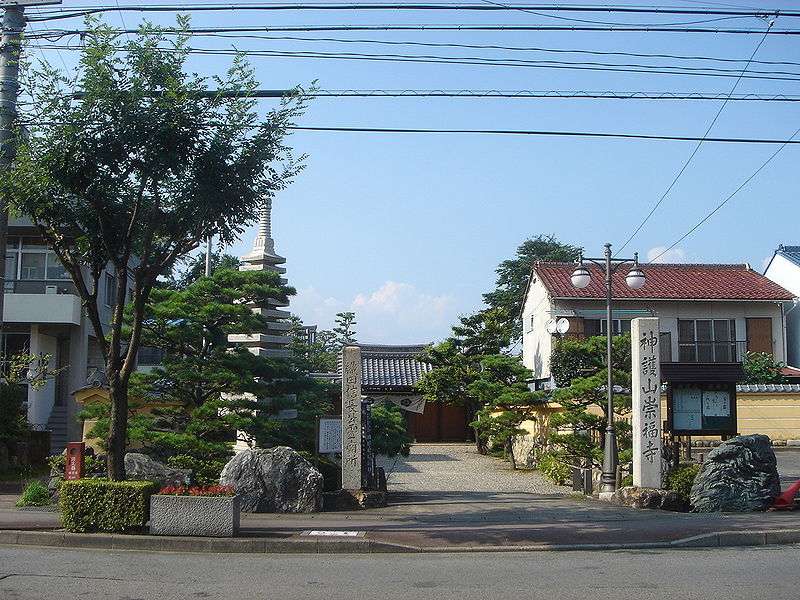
x=363, y=546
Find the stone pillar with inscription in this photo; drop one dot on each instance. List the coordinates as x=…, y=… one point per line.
x=351, y=418
x=646, y=402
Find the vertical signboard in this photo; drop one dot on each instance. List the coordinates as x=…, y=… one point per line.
x=646, y=402
x=76, y=452
x=351, y=418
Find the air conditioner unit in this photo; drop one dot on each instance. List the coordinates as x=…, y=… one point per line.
x=51, y=289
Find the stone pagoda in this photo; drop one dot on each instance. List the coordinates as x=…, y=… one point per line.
x=273, y=340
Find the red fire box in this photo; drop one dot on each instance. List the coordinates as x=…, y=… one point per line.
x=76, y=451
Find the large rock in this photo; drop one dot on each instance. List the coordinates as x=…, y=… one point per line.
x=141, y=466
x=739, y=476
x=275, y=480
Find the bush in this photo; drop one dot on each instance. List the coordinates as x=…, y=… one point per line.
x=99, y=505
x=555, y=467
x=35, y=494
x=91, y=465
x=680, y=479
x=204, y=471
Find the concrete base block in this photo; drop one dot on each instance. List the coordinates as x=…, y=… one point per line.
x=208, y=516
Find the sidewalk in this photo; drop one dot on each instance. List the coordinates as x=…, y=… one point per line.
x=441, y=521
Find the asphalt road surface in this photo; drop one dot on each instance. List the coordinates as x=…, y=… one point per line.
x=758, y=573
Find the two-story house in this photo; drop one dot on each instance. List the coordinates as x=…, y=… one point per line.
x=784, y=269
x=708, y=313
x=43, y=316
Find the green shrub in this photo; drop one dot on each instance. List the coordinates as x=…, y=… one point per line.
x=100, y=505
x=627, y=481
x=35, y=494
x=680, y=479
x=204, y=471
x=555, y=467
x=91, y=465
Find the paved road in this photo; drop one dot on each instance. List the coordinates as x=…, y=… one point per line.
x=28, y=573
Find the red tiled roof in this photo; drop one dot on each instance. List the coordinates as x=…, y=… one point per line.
x=665, y=282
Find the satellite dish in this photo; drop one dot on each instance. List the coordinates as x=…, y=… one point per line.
x=562, y=326
x=551, y=326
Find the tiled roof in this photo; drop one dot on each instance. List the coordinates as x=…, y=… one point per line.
x=665, y=282
x=790, y=253
x=769, y=387
x=393, y=367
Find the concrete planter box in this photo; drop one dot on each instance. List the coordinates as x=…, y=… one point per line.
x=195, y=515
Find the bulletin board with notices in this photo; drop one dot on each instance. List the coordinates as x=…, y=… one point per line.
x=698, y=408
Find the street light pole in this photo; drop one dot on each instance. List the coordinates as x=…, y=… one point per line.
x=635, y=279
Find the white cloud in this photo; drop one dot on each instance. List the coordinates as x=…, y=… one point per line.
x=660, y=254
x=395, y=313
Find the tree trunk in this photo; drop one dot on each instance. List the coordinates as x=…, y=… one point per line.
x=117, y=441
x=510, y=452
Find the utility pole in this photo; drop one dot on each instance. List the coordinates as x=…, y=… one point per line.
x=10, y=48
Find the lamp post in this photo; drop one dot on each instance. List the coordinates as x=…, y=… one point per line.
x=635, y=279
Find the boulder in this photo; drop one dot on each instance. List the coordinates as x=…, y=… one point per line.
x=275, y=480
x=650, y=498
x=141, y=466
x=740, y=475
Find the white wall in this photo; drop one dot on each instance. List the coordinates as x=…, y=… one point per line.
x=787, y=274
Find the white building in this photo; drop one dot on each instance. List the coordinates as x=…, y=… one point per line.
x=708, y=313
x=43, y=315
x=784, y=269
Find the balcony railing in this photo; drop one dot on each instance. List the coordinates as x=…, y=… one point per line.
x=39, y=286
x=712, y=352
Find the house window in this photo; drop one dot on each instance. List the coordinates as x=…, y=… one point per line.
x=110, y=289
x=707, y=340
x=593, y=327
x=151, y=356
x=29, y=259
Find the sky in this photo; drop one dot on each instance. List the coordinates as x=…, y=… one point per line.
x=407, y=229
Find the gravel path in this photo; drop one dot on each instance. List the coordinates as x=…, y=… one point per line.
x=459, y=468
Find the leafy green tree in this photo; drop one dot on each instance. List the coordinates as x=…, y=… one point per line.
x=581, y=371
x=760, y=367
x=212, y=390
x=390, y=436
x=194, y=267
x=507, y=401
x=513, y=275
x=135, y=171
x=314, y=357
x=345, y=334
x=457, y=362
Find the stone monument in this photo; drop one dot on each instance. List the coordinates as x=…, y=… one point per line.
x=646, y=402
x=351, y=418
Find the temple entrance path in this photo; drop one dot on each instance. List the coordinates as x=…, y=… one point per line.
x=459, y=468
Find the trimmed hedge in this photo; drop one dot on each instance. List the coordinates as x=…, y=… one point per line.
x=100, y=505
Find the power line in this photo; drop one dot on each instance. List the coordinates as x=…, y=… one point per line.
x=544, y=94
x=696, y=149
x=513, y=48
x=544, y=133
x=496, y=62
x=45, y=123
x=726, y=200
x=485, y=7
x=450, y=27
